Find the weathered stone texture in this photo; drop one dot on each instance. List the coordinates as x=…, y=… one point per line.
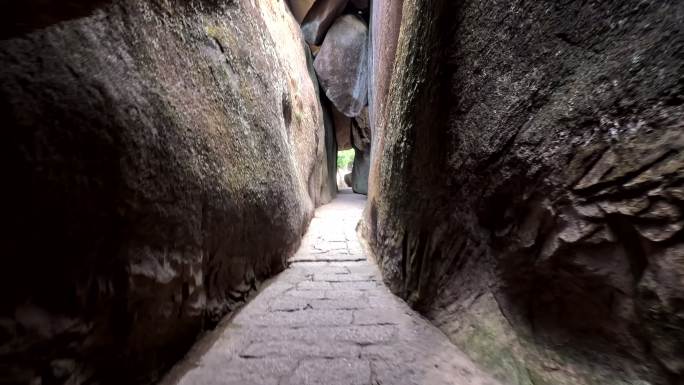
x=320, y=17
x=384, y=35
x=526, y=191
x=360, y=170
x=330, y=152
x=326, y=178
x=342, y=65
x=361, y=141
x=161, y=159
x=361, y=131
x=343, y=127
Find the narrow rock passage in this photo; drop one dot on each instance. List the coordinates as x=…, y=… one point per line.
x=328, y=320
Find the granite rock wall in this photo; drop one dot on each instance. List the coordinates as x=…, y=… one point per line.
x=526, y=184
x=162, y=159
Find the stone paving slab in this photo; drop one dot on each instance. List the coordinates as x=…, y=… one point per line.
x=328, y=320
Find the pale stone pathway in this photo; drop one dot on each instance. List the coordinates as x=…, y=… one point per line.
x=328, y=320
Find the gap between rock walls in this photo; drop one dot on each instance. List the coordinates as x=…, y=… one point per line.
x=342, y=192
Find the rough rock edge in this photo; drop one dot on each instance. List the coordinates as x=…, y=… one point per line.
x=403, y=257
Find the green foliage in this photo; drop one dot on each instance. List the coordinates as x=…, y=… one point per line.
x=345, y=159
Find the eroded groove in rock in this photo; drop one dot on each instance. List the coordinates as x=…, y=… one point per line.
x=164, y=158
x=526, y=184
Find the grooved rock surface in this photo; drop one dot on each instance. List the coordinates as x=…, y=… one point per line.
x=342, y=65
x=164, y=158
x=384, y=35
x=527, y=185
x=319, y=19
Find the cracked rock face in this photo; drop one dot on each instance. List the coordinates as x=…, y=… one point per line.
x=342, y=63
x=527, y=184
x=154, y=181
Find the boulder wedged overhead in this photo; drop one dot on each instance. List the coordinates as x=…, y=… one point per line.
x=156, y=181
x=526, y=185
x=342, y=65
x=319, y=18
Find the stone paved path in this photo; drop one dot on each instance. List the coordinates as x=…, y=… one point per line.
x=327, y=320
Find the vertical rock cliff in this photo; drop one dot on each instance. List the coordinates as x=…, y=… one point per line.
x=161, y=159
x=527, y=178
